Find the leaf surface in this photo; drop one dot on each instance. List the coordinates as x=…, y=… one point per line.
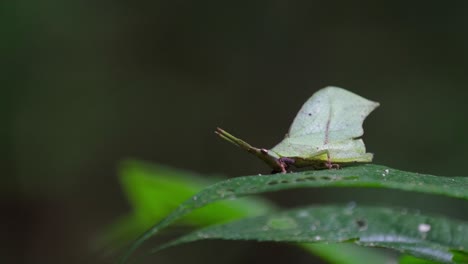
x=155, y=190
x=430, y=237
x=368, y=175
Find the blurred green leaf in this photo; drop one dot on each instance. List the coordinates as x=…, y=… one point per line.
x=155, y=190
x=358, y=176
x=460, y=256
x=429, y=237
x=406, y=259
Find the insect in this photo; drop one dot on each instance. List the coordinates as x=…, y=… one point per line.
x=325, y=133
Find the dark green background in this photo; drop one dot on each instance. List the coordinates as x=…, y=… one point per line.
x=86, y=84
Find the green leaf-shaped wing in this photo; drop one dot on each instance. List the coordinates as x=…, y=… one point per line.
x=329, y=122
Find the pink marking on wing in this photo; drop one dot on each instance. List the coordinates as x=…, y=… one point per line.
x=327, y=127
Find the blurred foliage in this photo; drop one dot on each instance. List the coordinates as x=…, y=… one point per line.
x=155, y=190
x=414, y=260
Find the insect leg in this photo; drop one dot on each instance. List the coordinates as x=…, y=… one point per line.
x=329, y=163
x=285, y=163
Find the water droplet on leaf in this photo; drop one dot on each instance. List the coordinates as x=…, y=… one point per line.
x=386, y=172
x=424, y=228
x=302, y=214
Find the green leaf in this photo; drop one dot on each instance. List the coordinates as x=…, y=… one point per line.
x=358, y=176
x=324, y=133
x=346, y=253
x=155, y=190
x=406, y=259
x=429, y=237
